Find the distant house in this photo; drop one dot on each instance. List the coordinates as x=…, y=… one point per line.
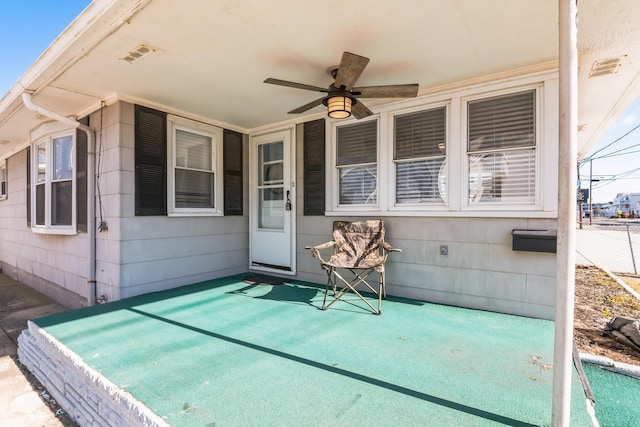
x=142, y=151
x=626, y=205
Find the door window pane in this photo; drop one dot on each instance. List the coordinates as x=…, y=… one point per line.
x=271, y=209
x=271, y=201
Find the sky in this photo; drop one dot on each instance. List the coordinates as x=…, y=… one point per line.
x=615, y=159
x=28, y=27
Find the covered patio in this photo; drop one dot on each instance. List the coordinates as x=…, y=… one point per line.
x=254, y=350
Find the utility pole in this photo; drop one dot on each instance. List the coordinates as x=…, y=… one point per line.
x=591, y=180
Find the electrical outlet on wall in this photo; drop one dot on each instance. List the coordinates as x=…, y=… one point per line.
x=444, y=250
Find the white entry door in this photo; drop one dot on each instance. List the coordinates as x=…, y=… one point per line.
x=272, y=214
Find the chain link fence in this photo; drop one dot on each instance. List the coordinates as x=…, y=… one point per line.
x=611, y=244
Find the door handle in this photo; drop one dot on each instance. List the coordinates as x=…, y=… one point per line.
x=287, y=205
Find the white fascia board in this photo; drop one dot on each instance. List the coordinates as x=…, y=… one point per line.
x=94, y=24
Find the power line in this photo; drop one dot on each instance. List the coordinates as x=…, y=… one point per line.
x=617, y=153
x=606, y=156
x=609, y=145
x=616, y=177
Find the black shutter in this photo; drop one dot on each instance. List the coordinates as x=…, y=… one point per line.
x=29, y=187
x=81, y=177
x=151, y=161
x=232, y=155
x=314, y=167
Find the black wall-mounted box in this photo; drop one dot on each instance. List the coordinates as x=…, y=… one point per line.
x=535, y=240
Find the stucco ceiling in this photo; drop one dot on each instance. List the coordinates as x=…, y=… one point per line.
x=210, y=59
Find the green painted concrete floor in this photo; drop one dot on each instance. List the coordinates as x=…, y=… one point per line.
x=231, y=352
x=616, y=397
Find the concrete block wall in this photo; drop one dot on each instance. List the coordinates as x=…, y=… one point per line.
x=88, y=397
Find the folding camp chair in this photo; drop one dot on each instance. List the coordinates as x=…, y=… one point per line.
x=359, y=248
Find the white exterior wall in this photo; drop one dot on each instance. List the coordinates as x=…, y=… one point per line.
x=141, y=254
x=55, y=265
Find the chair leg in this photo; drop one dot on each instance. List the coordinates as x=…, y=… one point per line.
x=351, y=286
x=380, y=292
x=326, y=288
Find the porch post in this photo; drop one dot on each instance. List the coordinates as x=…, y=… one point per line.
x=567, y=172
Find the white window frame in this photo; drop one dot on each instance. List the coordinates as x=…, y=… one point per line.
x=417, y=207
x=48, y=227
x=333, y=198
x=175, y=124
x=4, y=180
x=537, y=148
x=455, y=100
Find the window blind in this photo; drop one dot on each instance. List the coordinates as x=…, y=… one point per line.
x=193, y=151
x=420, y=134
x=419, y=147
x=502, y=157
x=357, y=143
x=357, y=156
x=502, y=122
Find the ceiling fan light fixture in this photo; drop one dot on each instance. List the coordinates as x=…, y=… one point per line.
x=339, y=107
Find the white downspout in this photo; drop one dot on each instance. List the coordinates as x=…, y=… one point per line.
x=91, y=208
x=566, y=247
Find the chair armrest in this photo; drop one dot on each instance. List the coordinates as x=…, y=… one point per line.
x=390, y=248
x=315, y=250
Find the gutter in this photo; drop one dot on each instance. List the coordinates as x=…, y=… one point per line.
x=91, y=196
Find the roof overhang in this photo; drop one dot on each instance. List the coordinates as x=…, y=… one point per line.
x=209, y=60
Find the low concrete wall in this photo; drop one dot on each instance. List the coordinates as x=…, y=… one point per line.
x=90, y=398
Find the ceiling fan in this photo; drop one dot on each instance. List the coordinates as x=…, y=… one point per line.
x=342, y=99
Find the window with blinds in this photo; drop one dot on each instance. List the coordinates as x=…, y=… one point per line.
x=419, y=156
x=3, y=180
x=194, y=181
x=357, y=163
x=501, y=150
x=194, y=174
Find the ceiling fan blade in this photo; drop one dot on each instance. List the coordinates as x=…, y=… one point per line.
x=350, y=68
x=360, y=111
x=295, y=85
x=390, y=91
x=307, y=106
